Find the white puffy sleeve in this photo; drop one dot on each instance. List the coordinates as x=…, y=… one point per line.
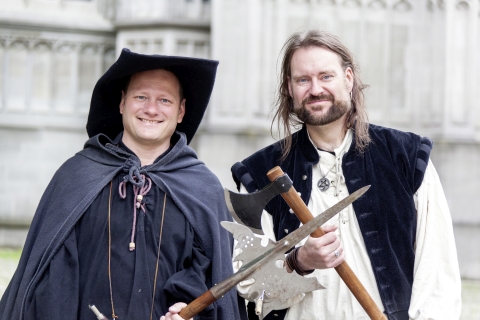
x=436, y=292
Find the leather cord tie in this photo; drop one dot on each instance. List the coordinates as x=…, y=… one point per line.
x=140, y=189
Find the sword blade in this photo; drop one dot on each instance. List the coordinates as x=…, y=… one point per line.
x=284, y=244
x=302, y=232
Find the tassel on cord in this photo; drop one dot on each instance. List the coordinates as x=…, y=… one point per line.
x=140, y=189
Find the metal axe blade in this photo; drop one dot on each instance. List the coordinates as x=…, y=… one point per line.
x=246, y=208
x=257, y=263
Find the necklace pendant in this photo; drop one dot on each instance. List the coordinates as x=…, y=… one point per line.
x=323, y=184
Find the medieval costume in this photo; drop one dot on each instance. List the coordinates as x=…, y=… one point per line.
x=130, y=239
x=390, y=234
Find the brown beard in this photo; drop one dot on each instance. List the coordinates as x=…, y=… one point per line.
x=335, y=112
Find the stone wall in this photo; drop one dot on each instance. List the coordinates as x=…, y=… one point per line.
x=51, y=55
x=420, y=57
x=457, y=164
x=29, y=158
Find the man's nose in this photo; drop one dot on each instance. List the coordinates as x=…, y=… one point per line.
x=151, y=107
x=316, y=88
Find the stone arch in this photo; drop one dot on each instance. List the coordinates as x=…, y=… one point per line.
x=377, y=4
x=108, y=58
x=17, y=74
x=88, y=73
x=463, y=5
x=41, y=89
x=403, y=6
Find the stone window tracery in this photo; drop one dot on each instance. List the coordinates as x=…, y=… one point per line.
x=377, y=4
x=402, y=5
x=49, y=77
x=17, y=75
x=463, y=5
x=352, y=3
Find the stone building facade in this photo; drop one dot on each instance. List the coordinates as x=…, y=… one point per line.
x=421, y=59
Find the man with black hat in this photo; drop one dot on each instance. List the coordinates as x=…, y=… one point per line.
x=129, y=226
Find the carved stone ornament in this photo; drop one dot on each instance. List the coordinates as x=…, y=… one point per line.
x=352, y=3
x=402, y=6
x=463, y=5
x=377, y=4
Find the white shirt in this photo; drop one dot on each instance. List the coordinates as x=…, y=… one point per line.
x=436, y=290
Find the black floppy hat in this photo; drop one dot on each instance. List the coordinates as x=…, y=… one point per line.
x=196, y=76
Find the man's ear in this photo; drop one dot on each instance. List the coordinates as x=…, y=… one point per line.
x=181, y=111
x=349, y=77
x=122, y=102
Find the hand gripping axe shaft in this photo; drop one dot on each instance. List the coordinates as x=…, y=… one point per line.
x=247, y=209
x=260, y=260
x=344, y=271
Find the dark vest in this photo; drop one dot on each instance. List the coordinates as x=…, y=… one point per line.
x=394, y=165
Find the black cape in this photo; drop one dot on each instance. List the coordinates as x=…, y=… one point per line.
x=193, y=188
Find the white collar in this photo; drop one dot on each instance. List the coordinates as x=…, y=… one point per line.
x=342, y=148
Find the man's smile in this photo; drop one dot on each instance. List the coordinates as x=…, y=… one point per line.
x=149, y=121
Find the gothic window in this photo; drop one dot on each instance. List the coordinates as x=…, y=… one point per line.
x=17, y=75
x=463, y=5
x=157, y=46
x=108, y=59
x=459, y=51
x=2, y=70
x=377, y=4
x=63, y=79
x=402, y=5
x=87, y=72
x=41, y=91
x=352, y=3
x=398, y=71
x=200, y=49
x=373, y=67
x=131, y=45
x=142, y=46
x=183, y=48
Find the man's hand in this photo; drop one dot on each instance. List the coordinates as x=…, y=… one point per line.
x=173, y=311
x=320, y=253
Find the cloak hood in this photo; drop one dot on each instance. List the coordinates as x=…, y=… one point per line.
x=196, y=76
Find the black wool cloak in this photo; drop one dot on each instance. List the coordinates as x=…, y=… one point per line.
x=192, y=186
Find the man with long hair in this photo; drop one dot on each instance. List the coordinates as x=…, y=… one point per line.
x=398, y=238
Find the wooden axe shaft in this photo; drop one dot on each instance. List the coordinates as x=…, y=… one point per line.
x=197, y=305
x=344, y=271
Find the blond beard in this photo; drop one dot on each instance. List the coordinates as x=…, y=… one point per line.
x=335, y=112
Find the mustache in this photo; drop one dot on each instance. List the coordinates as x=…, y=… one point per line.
x=319, y=97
